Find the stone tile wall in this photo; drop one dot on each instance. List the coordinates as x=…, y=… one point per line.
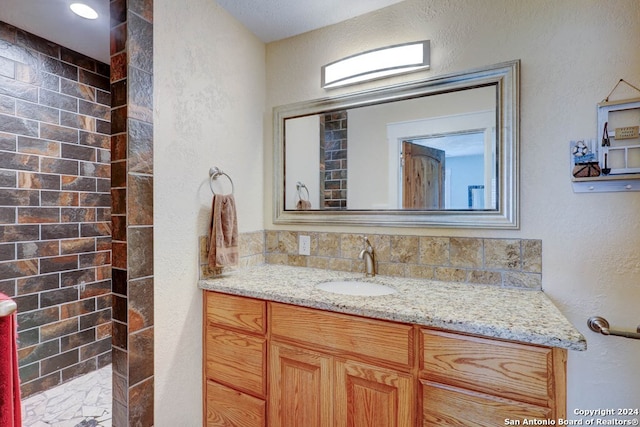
x=132, y=193
x=333, y=137
x=499, y=262
x=55, y=233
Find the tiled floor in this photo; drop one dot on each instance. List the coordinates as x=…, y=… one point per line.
x=82, y=402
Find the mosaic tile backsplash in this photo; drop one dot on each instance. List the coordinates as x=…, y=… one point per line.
x=501, y=262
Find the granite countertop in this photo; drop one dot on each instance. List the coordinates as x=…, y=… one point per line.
x=519, y=315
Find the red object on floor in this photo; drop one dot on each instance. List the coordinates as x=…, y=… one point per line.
x=10, y=409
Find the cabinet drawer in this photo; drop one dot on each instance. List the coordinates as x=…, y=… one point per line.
x=341, y=333
x=242, y=313
x=447, y=406
x=510, y=370
x=236, y=359
x=227, y=407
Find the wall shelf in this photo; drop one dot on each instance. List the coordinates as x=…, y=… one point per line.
x=606, y=183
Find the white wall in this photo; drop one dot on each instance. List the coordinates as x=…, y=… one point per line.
x=573, y=52
x=209, y=97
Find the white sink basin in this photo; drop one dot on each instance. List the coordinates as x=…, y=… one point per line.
x=354, y=287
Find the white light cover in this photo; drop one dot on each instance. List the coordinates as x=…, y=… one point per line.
x=375, y=64
x=83, y=10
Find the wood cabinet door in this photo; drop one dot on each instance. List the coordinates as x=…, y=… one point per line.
x=368, y=396
x=228, y=407
x=301, y=387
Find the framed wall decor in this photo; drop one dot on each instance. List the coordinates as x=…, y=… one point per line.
x=619, y=129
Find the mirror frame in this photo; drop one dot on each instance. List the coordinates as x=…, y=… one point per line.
x=506, y=77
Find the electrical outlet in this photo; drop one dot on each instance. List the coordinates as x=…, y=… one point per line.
x=304, y=245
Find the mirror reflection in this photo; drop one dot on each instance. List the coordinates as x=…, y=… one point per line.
x=429, y=153
x=436, y=152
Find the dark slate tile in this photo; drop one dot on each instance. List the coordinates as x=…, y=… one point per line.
x=32, y=319
x=119, y=93
x=38, y=181
x=11, y=50
x=7, y=252
x=140, y=200
x=95, y=140
x=27, y=303
x=7, y=105
x=119, y=281
x=8, y=287
x=95, y=110
x=77, y=246
x=41, y=384
x=78, y=90
x=59, y=263
x=78, y=121
x=7, y=142
x=59, y=166
x=119, y=335
x=59, y=231
x=103, y=185
x=18, y=125
x=34, y=111
x=119, y=145
x=16, y=269
x=59, y=198
x=8, y=32
x=118, y=12
x=119, y=120
x=38, y=146
x=59, y=133
x=78, y=183
x=29, y=372
x=76, y=58
x=59, y=68
x=31, y=41
x=58, y=296
x=97, y=289
x=93, y=319
x=18, y=89
x=103, y=127
x=50, y=82
x=140, y=43
x=105, y=358
x=140, y=95
x=95, y=259
x=8, y=179
x=119, y=174
x=19, y=233
x=40, y=283
x=140, y=147
x=119, y=254
x=118, y=201
x=98, y=170
x=38, y=215
x=73, y=278
x=28, y=338
x=95, y=229
x=60, y=361
x=140, y=304
x=26, y=250
x=119, y=65
x=140, y=253
x=58, y=100
x=103, y=97
x=19, y=198
x=119, y=308
x=95, y=199
x=77, y=215
x=94, y=79
x=77, y=308
x=141, y=401
x=38, y=352
x=58, y=329
x=7, y=215
x=119, y=227
x=140, y=355
x=79, y=152
x=77, y=370
x=144, y=8
x=103, y=69
x=17, y=161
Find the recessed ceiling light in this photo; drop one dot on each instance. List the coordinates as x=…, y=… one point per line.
x=83, y=10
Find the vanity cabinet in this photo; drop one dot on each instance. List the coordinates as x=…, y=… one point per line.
x=235, y=346
x=275, y=364
x=472, y=381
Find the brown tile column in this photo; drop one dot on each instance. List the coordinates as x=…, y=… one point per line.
x=132, y=210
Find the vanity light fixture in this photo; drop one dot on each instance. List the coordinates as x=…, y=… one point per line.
x=83, y=10
x=377, y=63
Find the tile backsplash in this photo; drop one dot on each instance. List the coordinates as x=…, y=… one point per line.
x=491, y=261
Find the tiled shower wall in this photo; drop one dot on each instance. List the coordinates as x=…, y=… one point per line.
x=333, y=134
x=55, y=233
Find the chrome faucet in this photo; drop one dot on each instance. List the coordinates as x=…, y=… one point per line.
x=369, y=257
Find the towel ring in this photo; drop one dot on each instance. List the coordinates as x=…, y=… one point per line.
x=300, y=186
x=215, y=173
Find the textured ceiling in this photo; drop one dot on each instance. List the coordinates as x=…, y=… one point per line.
x=270, y=20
